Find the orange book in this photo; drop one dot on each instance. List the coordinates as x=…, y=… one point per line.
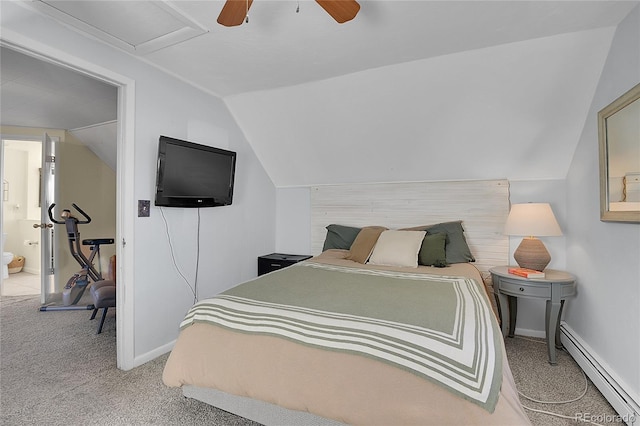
x=527, y=273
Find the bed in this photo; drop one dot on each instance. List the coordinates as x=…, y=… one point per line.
x=373, y=330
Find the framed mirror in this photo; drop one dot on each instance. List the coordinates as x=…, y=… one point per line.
x=619, y=138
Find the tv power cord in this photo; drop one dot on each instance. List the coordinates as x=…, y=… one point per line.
x=193, y=288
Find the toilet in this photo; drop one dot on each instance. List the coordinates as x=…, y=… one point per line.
x=6, y=259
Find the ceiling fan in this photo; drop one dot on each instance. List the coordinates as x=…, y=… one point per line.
x=235, y=12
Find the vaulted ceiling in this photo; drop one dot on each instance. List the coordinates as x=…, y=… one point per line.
x=36, y=93
x=408, y=90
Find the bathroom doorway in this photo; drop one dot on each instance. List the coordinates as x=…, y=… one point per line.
x=22, y=157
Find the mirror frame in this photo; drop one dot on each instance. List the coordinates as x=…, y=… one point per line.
x=607, y=215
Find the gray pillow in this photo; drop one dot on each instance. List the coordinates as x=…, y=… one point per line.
x=456, y=247
x=340, y=237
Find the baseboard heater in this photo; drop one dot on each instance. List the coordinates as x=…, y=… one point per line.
x=627, y=408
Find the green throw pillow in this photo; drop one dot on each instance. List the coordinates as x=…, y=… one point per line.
x=340, y=237
x=432, y=251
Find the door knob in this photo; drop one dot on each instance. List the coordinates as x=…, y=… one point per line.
x=43, y=225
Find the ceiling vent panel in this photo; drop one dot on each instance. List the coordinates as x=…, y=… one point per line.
x=139, y=27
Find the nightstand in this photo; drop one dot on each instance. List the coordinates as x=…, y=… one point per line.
x=555, y=287
x=274, y=261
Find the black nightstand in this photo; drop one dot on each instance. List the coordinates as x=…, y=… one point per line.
x=274, y=261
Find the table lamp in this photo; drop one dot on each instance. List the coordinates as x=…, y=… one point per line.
x=532, y=220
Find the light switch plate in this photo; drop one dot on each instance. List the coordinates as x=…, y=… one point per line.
x=144, y=207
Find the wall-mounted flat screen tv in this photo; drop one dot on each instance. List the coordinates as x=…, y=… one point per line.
x=193, y=175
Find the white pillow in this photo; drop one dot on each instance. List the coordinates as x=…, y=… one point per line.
x=397, y=248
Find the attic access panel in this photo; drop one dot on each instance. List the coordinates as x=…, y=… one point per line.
x=139, y=27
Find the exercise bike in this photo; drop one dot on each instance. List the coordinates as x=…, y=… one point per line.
x=77, y=284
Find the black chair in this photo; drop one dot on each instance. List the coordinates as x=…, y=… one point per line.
x=104, y=297
x=104, y=293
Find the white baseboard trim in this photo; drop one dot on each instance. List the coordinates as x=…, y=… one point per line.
x=611, y=388
x=31, y=270
x=530, y=333
x=146, y=357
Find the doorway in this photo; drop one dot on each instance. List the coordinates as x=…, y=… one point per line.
x=21, y=159
x=124, y=179
x=54, y=170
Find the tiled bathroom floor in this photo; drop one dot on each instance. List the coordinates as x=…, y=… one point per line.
x=21, y=284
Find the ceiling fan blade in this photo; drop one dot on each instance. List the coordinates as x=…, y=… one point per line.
x=341, y=10
x=234, y=12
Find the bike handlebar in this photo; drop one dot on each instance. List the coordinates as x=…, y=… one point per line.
x=82, y=213
x=81, y=222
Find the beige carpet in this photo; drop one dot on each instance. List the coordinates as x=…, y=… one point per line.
x=537, y=379
x=55, y=370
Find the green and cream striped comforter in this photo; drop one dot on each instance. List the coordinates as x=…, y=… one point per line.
x=438, y=327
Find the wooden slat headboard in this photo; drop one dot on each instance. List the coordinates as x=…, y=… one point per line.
x=482, y=206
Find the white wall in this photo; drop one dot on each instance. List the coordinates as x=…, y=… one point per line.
x=293, y=220
x=606, y=256
x=15, y=208
x=513, y=110
x=231, y=237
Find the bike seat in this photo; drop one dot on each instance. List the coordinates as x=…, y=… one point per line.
x=97, y=241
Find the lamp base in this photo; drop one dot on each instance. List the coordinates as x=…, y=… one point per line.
x=532, y=254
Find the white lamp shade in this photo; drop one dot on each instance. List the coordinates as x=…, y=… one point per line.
x=532, y=219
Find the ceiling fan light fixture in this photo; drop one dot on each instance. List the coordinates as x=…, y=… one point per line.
x=340, y=10
x=235, y=12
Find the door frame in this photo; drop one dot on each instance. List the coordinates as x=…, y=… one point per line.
x=125, y=175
